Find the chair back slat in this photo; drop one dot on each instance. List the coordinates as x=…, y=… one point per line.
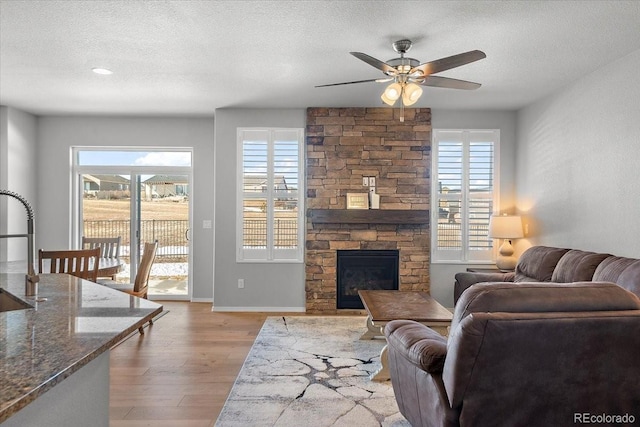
x=109, y=246
x=81, y=263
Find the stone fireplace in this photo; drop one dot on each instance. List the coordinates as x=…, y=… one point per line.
x=343, y=146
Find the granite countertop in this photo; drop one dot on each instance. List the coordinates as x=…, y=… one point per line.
x=41, y=346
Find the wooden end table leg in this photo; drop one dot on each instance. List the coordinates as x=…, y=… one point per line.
x=372, y=331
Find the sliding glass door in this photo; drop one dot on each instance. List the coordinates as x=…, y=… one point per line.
x=140, y=203
x=162, y=214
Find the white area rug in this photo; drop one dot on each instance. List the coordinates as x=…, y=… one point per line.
x=311, y=371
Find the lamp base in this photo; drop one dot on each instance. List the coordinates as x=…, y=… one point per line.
x=505, y=259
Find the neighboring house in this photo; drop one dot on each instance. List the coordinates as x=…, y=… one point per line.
x=258, y=183
x=166, y=186
x=94, y=183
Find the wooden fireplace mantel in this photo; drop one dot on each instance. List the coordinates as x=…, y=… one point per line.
x=368, y=216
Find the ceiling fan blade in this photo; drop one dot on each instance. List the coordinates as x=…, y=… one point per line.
x=380, y=65
x=349, y=83
x=437, y=81
x=449, y=62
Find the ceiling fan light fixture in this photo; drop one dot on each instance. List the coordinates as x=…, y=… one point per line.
x=411, y=93
x=408, y=74
x=391, y=93
x=386, y=100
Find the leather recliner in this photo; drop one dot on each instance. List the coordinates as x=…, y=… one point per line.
x=525, y=354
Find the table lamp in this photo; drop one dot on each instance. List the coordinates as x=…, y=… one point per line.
x=506, y=227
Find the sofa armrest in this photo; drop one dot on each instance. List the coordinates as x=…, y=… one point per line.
x=464, y=280
x=418, y=344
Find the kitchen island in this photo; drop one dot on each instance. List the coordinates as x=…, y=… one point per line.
x=54, y=355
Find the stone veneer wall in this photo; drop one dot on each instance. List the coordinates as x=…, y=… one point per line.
x=343, y=145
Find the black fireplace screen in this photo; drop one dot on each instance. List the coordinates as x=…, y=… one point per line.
x=365, y=270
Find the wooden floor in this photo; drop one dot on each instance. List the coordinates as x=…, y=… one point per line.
x=179, y=373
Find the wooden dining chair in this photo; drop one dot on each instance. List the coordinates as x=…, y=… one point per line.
x=81, y=263
x=109, y=247
x=140, y=287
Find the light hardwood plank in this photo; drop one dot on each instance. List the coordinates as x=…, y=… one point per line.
x=180, y=372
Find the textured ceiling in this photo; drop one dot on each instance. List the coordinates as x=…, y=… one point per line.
x=191, y=57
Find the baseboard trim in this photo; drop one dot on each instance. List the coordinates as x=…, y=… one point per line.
x=202, y=300
x=262, y=309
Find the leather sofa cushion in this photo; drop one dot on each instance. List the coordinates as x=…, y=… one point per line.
x=465, y=279
x=630, y=278
x=610, y=269
x=537, y=264
x=623, y=271
x=577, y=266
x=537, y=297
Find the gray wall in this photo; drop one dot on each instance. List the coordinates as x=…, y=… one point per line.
x=578, y=160
x=442, y=273
x=18, y=173
x=281, y=286
x=268, y=286
x=56, y=136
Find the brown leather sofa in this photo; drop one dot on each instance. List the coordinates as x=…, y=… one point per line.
x=524, y=354
x=559, y=265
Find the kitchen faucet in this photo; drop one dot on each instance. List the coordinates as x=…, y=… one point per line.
x=31, y=279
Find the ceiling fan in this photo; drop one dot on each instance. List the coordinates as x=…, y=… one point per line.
x=407, y=74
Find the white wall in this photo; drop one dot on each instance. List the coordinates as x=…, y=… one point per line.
x=442, y=275
x=578, y=161
x=18, y=173
x=56, y=136
x=268, y=286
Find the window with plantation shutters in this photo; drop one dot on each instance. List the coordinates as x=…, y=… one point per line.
x=270, y=195
x=464, y=193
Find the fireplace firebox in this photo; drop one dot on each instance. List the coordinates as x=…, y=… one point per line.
x=365, y=270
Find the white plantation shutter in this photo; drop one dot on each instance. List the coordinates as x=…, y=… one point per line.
x=270, y=210
x=286, y=186
x=463, y=194
x=480, y=191
x=449, y=196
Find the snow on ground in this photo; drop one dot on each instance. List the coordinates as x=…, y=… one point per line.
x=162, y=269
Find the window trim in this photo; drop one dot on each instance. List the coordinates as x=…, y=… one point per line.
x=464, y=253
x=298, y=253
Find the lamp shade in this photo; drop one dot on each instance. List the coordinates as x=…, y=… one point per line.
x=411, y=93
x=505, y=227
x=391, y=93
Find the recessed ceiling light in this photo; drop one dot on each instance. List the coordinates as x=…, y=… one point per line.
x=103, y=71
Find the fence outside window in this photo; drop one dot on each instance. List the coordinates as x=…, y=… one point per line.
x=450, y=236
x=172, y=236
x=285, y=233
